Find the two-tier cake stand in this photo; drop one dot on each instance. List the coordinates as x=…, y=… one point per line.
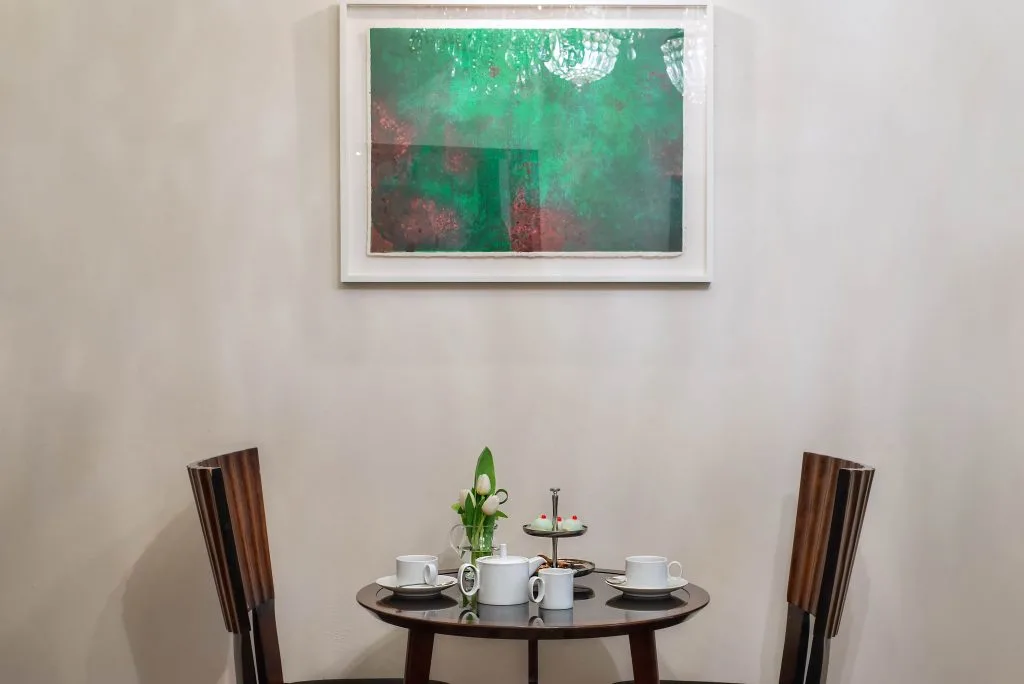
x=582, y=567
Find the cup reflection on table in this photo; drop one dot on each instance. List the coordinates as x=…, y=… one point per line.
x=641, y=609
x=514, y=615
x=556, y=618
x=498, y=615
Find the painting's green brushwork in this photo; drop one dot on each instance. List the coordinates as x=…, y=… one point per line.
x=516, y=140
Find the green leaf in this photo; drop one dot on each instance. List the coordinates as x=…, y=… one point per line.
x=471, y=504
x=485, y=466
x=456, y=507
x=500, y=514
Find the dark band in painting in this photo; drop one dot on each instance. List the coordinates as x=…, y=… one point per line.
x=516, y=141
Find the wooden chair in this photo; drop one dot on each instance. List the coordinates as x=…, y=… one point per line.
x=229, y=498
x=829, y=516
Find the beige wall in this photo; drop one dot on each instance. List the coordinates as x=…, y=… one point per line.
x=167, y=292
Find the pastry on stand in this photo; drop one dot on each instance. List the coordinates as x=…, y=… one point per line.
x=572, y=524
x=555, y=528
x=542, y=524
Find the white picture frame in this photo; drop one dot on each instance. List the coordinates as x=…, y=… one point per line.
x=357, y=265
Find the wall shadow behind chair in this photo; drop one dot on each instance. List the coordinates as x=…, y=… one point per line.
x=171, y=578
x=829, y=516
x=229, y=499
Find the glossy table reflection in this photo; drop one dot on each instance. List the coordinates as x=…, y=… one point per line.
x=604, y=614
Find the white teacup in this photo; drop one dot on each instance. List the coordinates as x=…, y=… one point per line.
x=650, y=572
x=556, y=587
x=411, y=570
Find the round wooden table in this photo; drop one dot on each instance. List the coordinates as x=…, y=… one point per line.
x=599, y=611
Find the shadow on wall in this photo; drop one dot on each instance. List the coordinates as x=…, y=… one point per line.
x=576, y=662
x=385, y=658
x=462, y=661
x=317, y=104
x=169, y=612
x=27, y=656
x=851, y=628
x=775, y=630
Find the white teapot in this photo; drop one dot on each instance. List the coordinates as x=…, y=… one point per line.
x=502, y=580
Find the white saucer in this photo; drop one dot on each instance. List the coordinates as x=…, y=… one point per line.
x=619, y=582
x=417, y=590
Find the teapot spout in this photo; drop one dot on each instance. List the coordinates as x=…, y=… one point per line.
x=535, y=564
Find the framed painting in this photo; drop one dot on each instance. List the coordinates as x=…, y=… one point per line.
x=518, y=142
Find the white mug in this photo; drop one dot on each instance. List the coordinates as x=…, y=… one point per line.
x=556, y=587
x=410, y=570
x=650, y=572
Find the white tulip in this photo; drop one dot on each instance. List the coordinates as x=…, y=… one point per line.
x=463, y=495
x=490, y=506
x=483, y=485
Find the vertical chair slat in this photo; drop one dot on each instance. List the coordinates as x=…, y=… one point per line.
x=202, y=480
x=860, y=489
x=229, y=497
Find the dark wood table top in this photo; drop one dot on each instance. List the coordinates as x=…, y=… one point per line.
x=604, y=613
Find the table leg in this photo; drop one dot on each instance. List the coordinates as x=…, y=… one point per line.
x=418, y=653
x=644, y=650
x=532, y=667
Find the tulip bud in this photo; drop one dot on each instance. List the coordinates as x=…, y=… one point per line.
x=490, y=506
x=483, y=485
x=463, y=495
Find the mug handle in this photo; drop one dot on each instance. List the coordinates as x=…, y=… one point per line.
x=430, y=574
x=462, y=586
x=678, y=565
x=534, y=581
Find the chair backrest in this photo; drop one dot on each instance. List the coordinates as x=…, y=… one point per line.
x=229, y=498
x=829, y=516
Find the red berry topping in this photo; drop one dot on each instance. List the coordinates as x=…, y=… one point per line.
x=575, y=518
x=559, y=518
x=543, y=517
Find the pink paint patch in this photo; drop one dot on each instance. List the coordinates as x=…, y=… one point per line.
x=456, y=161
x=539, y=229
x=426, y=224
x=378, y=243
x=390, y=130
x=456, y=157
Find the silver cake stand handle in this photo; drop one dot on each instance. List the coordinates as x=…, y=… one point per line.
x=554, y=521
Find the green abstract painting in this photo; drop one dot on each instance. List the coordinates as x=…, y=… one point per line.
x=516, y=141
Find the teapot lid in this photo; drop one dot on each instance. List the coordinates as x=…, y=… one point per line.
x=503, y=558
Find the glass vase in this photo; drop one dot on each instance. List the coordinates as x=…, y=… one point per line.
x=473, y=542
